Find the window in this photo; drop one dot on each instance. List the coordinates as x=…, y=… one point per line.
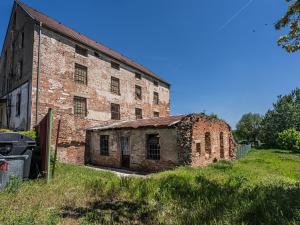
x=207, y=143
x=80, y=108
x=156, y=114
x=104, y=145
x=115, y=111
x=153, y=147
x=138, y=113
x=222, y=145
x=14, y=21
x=138, y=92
x=155, y=82
x=155, y=98
x=81, y=51
x=198, y=147
x=21, y=42
x=18, y=104
x=80, y=74
x=115, y=65
x=96, y=54
x=115, y=85
x=20, y=69
x=138, y=76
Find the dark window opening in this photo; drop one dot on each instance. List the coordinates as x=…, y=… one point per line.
x=81, y=51
x=18, y=105
x=198, y=147
x=156, y=114
x=96, y=54
x=21, y=44
x=14, y=21
x=80, y=74
x=155, y=98
x=138, y=113
x=80, y=108
x=20, y=69
x=155, y=83
x=115, y=85
x=115, y=111
x=138, y=92
x=208, y=143
x=138, y=76
x=153, y=147
x=222, y=145
x=104, y=145
x=115, y=65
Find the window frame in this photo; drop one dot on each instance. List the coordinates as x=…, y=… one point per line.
x=81, y=50
x=138, y=75
x=115, y=85
x=155, y=114
x=138, y=113
x=115, y=114
x=104, y=145
x=115, y=65
x=154, y=153
x=208, y=147
x=155, y=83
x=82, y=77
x=138, y=92
x=156, y=98
x=82, y=110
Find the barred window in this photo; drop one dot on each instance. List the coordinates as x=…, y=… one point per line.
x=222, y=145
x=138, y=92
x=115, y=111
x=81, y=51
x=153, y=147
x=155, y=114
x=115, y=65
x=208, y=143
x=115, y=85
x=155, y=98
x=104, y=145
x=80, y=108
x=80, y=74
x=18, y=105
x=138, y=76
x=138, y=113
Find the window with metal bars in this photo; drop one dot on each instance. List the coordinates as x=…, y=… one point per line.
x=221, y=145
x=115, y=85
x=208, y=143
x=18, y=104
x=80, y=108
x=138, y=92
x=153, y=147
x=80, y=74
x=115, y=65
x=155, y=114
x=115, y=111
x=81, y=51
x=155, y=98
x=104, y=145
x=138, y=113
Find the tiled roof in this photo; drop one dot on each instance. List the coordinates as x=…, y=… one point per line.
x=59, y=27
x=133, y=124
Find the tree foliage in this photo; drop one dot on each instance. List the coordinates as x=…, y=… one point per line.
x=284, y=115
x=248, y=127
x=290, y=41
x=289, y=139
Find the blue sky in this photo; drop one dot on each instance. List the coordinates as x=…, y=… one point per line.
x=220, y=56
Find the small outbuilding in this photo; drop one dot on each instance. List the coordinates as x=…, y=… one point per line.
x=161, y=143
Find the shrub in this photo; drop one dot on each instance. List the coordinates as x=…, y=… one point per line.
x=29, y=133
x=289, y=139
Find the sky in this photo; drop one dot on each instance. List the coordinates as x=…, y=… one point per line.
x=219, y=56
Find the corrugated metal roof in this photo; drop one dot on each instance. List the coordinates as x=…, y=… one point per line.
x=59, y=27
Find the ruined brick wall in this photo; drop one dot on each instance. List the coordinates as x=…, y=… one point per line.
x=58, y=88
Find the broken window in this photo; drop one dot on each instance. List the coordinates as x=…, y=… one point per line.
x=115, y=111
x=155, y=82
x=138, y=92
x=155, y=114
x=81, y=51
x=115, y=65
x=18, y=105
x=138, y=113
x=153, y=147
x=208, y=143
x=80, y=108
x=104, y=145
x=115, y=85
x=80, y=74
x=155, y=98
x=138, y=76
x=198, y=147
x=222, y=145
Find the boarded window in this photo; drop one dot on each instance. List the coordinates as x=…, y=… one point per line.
x=80, y=108
x=115, y=85
x=155, y=114
x=138, y=92
x=155, y=98
x=138, y=76
x=208, y=143
x=81, y=51
x=138, y=113
x=18, y=104
x=80, y=74
x=222, y=145
x=153, y=147
x=115, y=65
x=198, y=147
x=104, y=145
x=155, y=82
x=115, y=111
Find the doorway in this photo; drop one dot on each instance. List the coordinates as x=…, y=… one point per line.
x=125, y=152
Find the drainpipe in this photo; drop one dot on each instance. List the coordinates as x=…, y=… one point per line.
x=38, y=76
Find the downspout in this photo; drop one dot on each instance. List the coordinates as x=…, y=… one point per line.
x=38, y=76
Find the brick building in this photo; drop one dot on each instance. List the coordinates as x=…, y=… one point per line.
x=160, y=143
x=44, y=64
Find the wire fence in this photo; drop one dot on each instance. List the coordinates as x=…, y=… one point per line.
x=242, y=150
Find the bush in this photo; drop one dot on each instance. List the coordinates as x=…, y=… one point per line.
x=29, y=133
x=289, y=139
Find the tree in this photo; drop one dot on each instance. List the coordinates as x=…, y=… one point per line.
x=291, y=41
x=248, y=127
x=284, y=115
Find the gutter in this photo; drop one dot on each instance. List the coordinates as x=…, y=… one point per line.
x=38, y=76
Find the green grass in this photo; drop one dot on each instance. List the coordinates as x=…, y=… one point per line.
x=262, y=188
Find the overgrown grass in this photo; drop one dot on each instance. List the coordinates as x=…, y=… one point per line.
x=262, y=188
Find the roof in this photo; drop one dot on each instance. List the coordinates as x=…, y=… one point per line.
x=167, y=121
x=59, y=27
